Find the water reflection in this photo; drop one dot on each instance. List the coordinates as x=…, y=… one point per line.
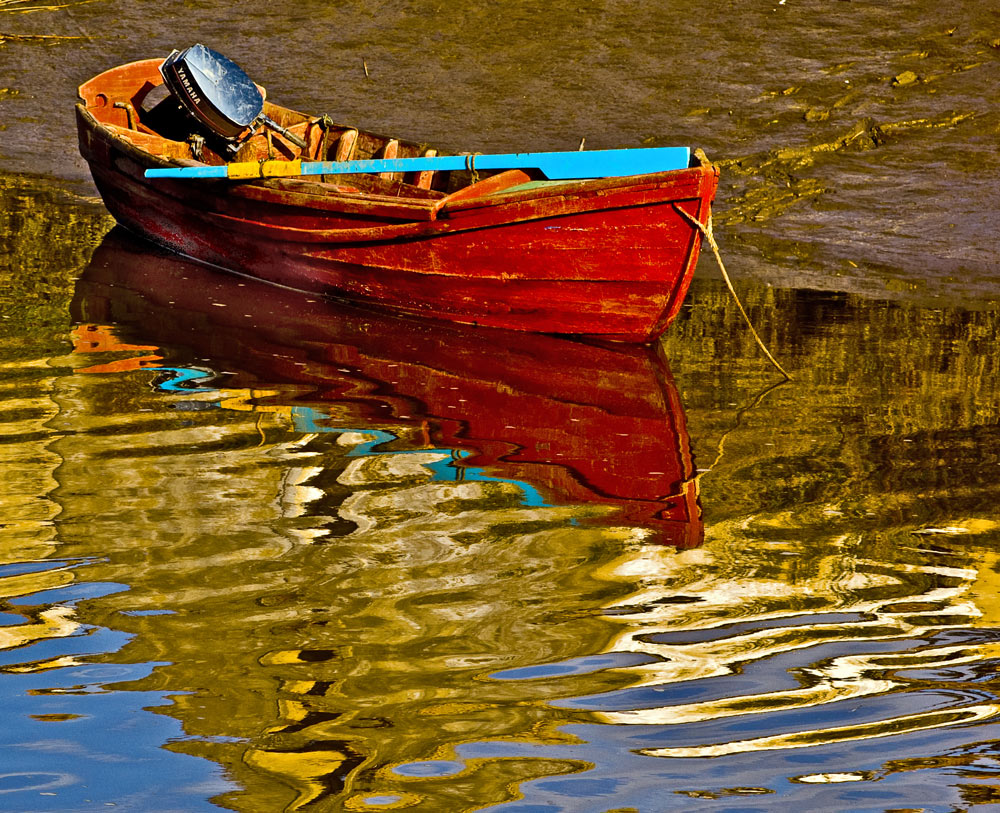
x=564, y=421
x=861, y=642
x=366, y=515
x=304, y=557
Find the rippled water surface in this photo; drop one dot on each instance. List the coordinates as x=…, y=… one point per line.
x=259, y=552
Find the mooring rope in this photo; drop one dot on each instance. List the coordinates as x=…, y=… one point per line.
x=470, y=165
x=706, y=230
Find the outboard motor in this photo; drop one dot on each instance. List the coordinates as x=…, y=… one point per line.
x=217, y=93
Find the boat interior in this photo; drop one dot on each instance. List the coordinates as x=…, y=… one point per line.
x=135, y=104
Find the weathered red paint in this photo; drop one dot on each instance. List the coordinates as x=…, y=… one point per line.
x=583, y=422
x=609, y=257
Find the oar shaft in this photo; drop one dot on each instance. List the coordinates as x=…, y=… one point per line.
x=555, y=165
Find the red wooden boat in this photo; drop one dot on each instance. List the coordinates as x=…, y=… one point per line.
x=609, y=257
x=580, y=423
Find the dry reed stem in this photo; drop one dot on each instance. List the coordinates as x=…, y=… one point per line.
x=17, y=7
x=31, y=37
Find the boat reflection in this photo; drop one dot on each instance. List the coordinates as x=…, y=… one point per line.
x=570, y=422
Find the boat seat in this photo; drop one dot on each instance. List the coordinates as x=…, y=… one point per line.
x=153, y=142
x=345, y=145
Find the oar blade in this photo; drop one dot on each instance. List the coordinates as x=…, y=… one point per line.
x=558, y=166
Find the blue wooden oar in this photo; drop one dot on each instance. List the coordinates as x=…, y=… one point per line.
x=554, y=165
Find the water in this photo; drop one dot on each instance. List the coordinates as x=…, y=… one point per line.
x=261, y=554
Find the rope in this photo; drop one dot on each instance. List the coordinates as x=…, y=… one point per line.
x=707, y=232
x=325, y=124
x=720, y=447
x=470, y=165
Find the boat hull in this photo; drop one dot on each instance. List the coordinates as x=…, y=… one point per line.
x=609, y=257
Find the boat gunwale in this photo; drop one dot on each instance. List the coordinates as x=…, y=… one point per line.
x=418, y=217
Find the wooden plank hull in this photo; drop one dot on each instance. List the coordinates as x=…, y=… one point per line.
x=609, y=257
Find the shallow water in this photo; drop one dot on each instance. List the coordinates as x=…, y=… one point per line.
x=261, y=553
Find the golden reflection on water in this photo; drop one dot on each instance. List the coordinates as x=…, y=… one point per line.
x=849, y=584
x=28, y=507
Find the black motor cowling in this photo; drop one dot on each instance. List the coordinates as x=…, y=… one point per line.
x=218, y=93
